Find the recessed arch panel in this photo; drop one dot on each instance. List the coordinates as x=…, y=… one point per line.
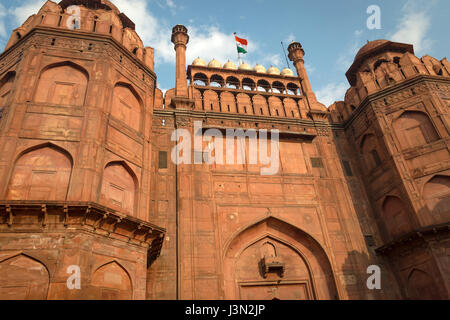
x=395, y=217
x=119, y=188
x=23, y=278
x=127, y=106
x=414, y=129
x=5, y=88
x=62, y=84
x=306, y=272
x=421, y=286
x=41, y=173
x=111, y=282
x=436, y=194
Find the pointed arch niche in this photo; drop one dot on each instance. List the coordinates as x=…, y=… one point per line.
x=111, y=282
x=414, y=129
x=436, y=194
x=119, y=187
x=421, y=286
x=127, y=106
x=306, y=274
x=395, y=217
x=6, y=84
x=41, y=173
x=63, y=84
x=23, y=278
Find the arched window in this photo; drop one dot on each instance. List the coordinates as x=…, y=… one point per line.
x=263, y=86
x=233, y=83
x=395, y=217
x=126, y=106
x=119, y=187
x=436, y=194
x=248, y=84
x=414, y=129
x=369, y=150
x=200, y=79
x=62, y=84
x=41, y=174
x=216, y=81
x=278, y=87
x=292, y=89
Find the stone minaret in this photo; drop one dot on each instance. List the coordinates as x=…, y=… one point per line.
x=180, y=39
x=296, y=54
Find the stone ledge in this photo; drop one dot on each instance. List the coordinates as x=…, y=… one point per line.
x=54, y=216
x=420, y=234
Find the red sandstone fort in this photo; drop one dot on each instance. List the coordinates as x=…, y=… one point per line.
x=86, y=177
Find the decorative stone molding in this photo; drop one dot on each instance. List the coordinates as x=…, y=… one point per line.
x=54, y=216
x=416, y=238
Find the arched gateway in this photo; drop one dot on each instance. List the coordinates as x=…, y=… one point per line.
x=275, y=260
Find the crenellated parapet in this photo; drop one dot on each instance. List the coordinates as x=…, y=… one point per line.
x=381, y=65
x=97, y=16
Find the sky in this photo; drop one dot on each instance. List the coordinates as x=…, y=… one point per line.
x=331, y=32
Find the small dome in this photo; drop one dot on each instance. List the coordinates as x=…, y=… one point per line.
x=369, y=46
x=245, y=66
x=259, y=68
x=273, y=70
x=199, y=62
x=214, y=64
x=287, y=72
x=230, y=65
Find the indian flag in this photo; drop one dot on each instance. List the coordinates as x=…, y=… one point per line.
x=241, y=44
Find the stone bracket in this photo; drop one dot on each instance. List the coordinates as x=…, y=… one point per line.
x=44, y=215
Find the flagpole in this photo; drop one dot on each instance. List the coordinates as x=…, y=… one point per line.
x=239, y=55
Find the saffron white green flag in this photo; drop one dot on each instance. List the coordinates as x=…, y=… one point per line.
x=241, y=44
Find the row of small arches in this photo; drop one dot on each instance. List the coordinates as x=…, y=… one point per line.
x=200, y=79
x=209, y=100
x=31, y=280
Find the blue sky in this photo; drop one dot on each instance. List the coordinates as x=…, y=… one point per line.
x=331, y=32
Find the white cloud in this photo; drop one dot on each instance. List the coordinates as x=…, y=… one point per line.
x=23, y=12
x=358, y=33
x=289, y=39
x=332, y=92
x=171, y=4
x=206, y=42
x=413, y=27
x=310, y=68
x=2, y=21
x=345, y=59
x=210, y=43
x=151, y=30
